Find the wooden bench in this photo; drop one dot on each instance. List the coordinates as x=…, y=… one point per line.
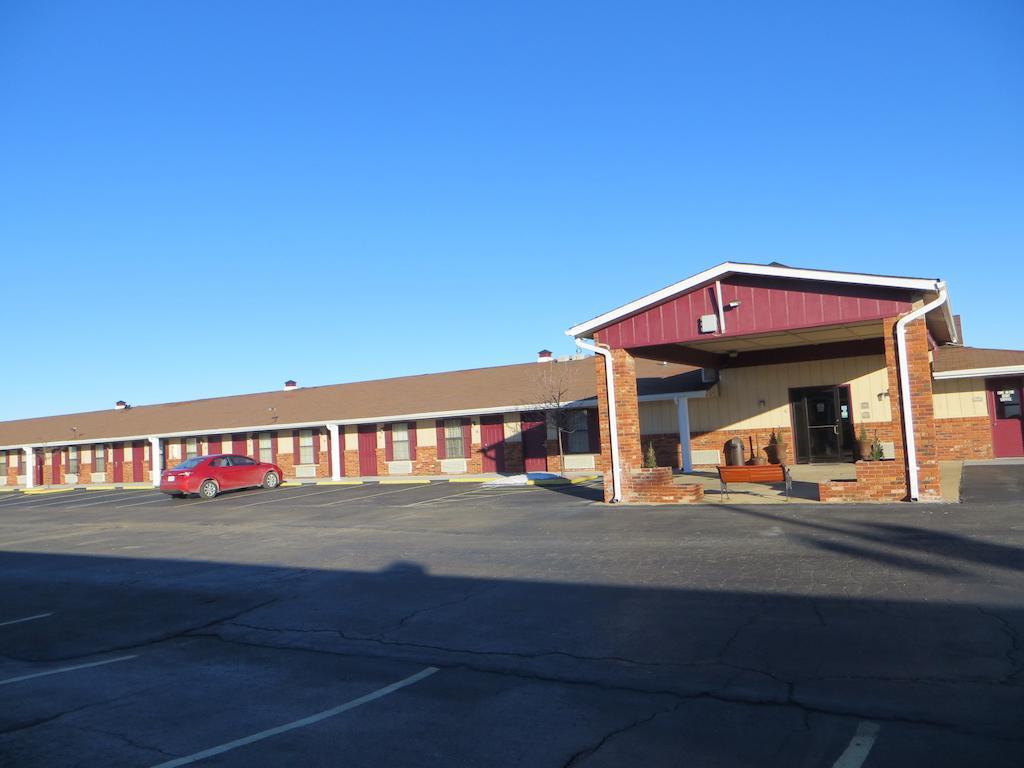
x=756, y=473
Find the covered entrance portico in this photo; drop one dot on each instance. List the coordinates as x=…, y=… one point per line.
x=779, y=342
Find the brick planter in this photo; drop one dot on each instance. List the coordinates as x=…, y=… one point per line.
x=657, y=486
x=876, y=481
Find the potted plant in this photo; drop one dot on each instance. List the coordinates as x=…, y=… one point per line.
x=650, y=457
x=877, y=454
x=776, y=449
x=861, y=447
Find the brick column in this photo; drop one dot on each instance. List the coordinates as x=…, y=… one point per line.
x=627, y=417
x=920, y=376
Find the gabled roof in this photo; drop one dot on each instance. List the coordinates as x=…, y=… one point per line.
x=952, y=362
x=437, y=395
x=915, y=284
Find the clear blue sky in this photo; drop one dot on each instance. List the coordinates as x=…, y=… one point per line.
x=209, y=198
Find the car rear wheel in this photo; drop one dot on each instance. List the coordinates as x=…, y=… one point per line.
x=208, y=489
x=271, y=480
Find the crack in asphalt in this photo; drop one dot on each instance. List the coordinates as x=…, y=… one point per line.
x=458, y=601
x=588, y=752
x=152, y=641
x=74, y=710
x=126, y=739
x=1007, y=629
x=718, y=694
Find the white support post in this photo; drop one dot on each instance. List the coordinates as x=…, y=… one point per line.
x=155, y=455
x=333, y=431
x=683, y=411
x=30, y=467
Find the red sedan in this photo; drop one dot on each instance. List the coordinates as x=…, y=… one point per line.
x=209, y=475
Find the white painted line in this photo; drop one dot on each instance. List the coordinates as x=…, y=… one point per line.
x=859, y=748
x=370, y=496
x=27, y=618
x=66, y=669
x=161, y=497
x=282, y=498
x=436, y=499
x=379, y=693
x=93, y=503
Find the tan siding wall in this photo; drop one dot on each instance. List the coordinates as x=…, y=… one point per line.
x=959, y=398
x=736, y=404
x=659, y=418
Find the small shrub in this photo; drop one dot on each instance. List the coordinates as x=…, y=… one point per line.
x=650, y=457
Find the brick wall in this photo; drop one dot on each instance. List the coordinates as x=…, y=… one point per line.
x=657, y=486
x=922, y=399
x=876, y=481
x=627, y=416
x=969, y=438
x=514, y=457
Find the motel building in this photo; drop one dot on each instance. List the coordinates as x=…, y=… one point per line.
x=817, y=359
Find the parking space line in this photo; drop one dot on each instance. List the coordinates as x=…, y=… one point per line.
x=345, y=499
x=26, y=618
x=161, y=497
x=860, y=746
x=295, y=724
x=61, y=670
x=442, y=498
x=333, y=489
x=92, y=504
x=63, y=501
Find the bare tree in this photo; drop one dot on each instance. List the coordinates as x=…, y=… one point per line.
x=552, y=393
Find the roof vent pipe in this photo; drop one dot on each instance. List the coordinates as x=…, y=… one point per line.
x=290, y=385
x=544, y=356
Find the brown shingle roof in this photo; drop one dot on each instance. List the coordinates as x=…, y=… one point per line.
x=968, y=358
x=455, y=391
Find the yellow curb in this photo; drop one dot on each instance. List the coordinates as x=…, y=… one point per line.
x=290, y=484
x=100, y=487
x=399, y=481
x=587, y=479
x=467, y=480
x=40, y=491
x=334, y=482
x=8, y=490
x=548, y=482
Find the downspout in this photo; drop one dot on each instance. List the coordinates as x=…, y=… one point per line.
x=613, y=431
x=906, y=404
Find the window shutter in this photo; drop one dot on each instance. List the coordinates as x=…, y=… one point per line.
x=316, y=446
x=467, y=437
x=389, y=445
x=442, y=453
x=593, y=431
x=295, y=446
x=412, y=440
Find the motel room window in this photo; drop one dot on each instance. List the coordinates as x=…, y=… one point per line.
x=73, y=460
x=306, y=447
x=400, y=442
x=3, y=463
x=453, y=445
x=577, y=437
x=99, y=459
x=191, y=447
x=266, y=448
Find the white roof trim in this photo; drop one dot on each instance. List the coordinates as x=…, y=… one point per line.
x=974, y=373
x=99, y=439
x=731, y=267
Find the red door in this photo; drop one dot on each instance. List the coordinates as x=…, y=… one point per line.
x=118, y=463
x=55, y=477
x=239, y=445
x=367, y=450
x=492, y=443
x=138, y=461
x=1004, y=409
x=38, y=469
x=535, y=442
x=213, y=446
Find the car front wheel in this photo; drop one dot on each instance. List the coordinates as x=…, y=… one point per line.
x=271, y=480
x=208, y=489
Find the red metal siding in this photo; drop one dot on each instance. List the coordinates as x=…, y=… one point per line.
x=389, y=444
x=766, y=305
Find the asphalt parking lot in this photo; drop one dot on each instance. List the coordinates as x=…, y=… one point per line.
x=460, y=625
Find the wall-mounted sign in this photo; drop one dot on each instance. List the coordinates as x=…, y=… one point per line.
x=820, y=407
x=1007, y=395
x=844, y=411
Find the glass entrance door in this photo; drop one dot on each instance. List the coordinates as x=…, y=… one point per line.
x=822, y=425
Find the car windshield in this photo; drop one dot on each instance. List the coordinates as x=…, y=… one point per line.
x=193, y=462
